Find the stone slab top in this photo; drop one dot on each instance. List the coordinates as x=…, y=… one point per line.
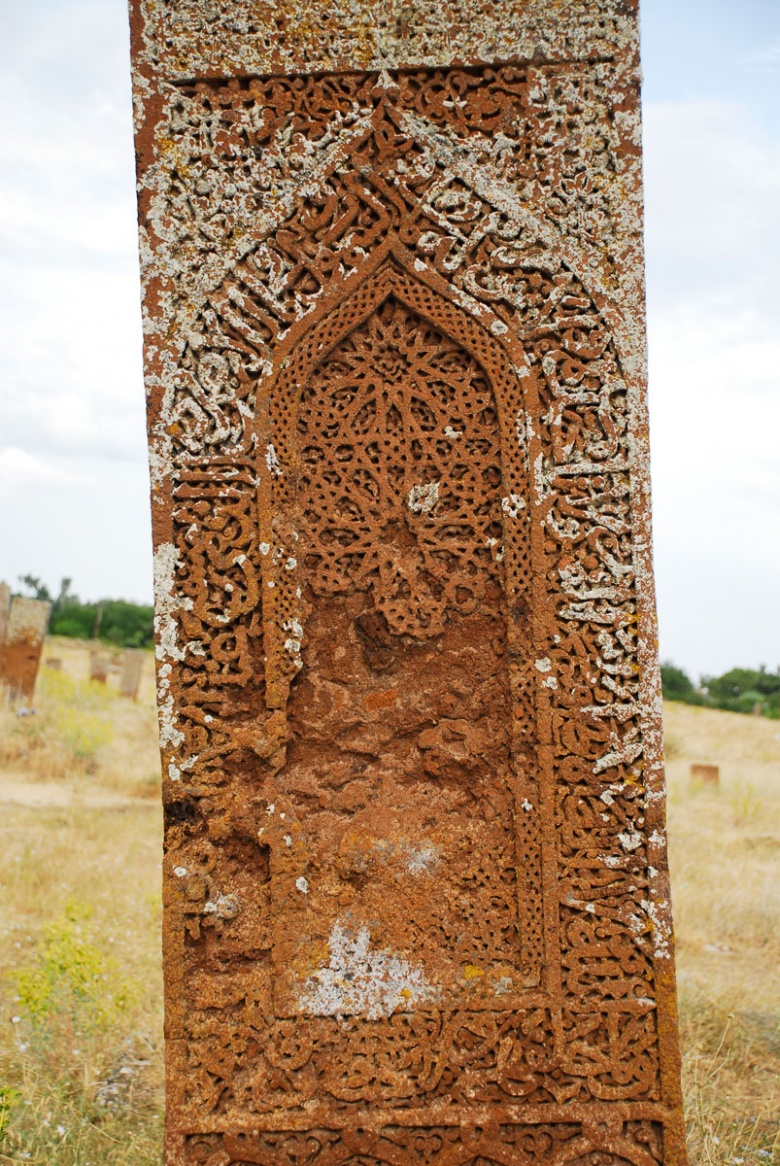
x=182, y=40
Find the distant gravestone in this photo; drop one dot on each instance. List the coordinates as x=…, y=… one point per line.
x=130, y=675
x=5, y=611
x=705, y=774
x=417, y=908
x=25, y=632
x=98, y=667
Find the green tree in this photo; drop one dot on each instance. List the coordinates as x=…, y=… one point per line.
x=34, y=584
x=743, y=690
x=675, y=683
x=114, y=621
x=129, y=625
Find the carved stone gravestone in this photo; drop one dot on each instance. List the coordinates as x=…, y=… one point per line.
x=130, y=675
x=5, y=611
x=20, y=652
x=98, y=666
x=416, y=901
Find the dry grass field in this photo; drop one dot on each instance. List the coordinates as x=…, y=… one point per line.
x=80, y=978
x=80, y=984
x=724, y=850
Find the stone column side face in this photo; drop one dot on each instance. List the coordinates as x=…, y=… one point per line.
x=416, y=896
x=5, y=611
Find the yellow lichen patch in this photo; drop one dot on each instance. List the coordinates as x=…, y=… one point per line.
x=472, y=972
x=316, y=956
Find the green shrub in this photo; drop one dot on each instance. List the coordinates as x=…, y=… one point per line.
x=115, y=621
x=740, y=690
x=676, y=684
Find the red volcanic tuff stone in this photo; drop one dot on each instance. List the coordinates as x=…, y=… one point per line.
x=416, y=898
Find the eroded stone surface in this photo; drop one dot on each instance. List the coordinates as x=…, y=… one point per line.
x=416, y=906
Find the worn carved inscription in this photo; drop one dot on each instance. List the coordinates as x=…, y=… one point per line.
x=416, y=904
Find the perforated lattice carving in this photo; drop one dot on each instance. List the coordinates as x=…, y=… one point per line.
x=399, y=475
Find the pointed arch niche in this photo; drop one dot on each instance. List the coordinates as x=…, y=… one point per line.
x=395, y=534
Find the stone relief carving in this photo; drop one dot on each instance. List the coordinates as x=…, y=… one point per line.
x=401, y=643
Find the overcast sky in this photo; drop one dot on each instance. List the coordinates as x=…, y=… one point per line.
x=73, y=477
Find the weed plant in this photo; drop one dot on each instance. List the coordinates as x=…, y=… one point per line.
x=63, y=736
x=80, y=975
x=75, y=1092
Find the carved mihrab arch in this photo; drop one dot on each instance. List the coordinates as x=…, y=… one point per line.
x=471, y=552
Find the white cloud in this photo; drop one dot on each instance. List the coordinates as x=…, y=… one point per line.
x=71, y=394
x=70, y=349
x=767, y=57
x=20, y=470
x=713, y=242
x=712, y=182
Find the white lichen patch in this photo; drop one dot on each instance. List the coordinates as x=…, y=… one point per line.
x=292, y=643
x=623, y=756
x=422, y=499
x=169, y=734
x=422, y=859
x=657, y=914
x=513, y=505
x=166, y=602
x=223, y=906
x=630, y=840
x=363, y=981
x=272, y=461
